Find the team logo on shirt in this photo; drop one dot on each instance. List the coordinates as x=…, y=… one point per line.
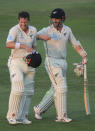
x=55, y=36
x=31, y=36
x=65, y=34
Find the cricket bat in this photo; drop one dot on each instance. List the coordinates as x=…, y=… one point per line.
x=86, y=95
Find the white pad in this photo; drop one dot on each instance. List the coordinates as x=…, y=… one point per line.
x=29, y=83
x=60, y=87
x=47, y=101
x=15, y=98
x=27, y=106
x=14, y=102
x=24, y=107
x=61, y=104
x=26, y=100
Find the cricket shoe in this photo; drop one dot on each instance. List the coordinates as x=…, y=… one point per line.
x=37, y=115
x=65, y=120
x=12, y=121
x=26, y=121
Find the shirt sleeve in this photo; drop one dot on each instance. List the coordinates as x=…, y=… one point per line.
x=44, y=31
x=12, y=35
x=73, y=40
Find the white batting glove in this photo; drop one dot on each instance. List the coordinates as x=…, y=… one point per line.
x=78, y=69
x=84, y=60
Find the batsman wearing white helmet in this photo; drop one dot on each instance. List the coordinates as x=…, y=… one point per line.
x=56, y=38
x=22, y=41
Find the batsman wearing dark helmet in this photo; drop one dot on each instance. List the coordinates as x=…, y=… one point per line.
x=56, y=38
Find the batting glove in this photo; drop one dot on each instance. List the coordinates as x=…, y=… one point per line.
x=84, y=60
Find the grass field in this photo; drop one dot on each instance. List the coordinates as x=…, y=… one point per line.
x=81, y=18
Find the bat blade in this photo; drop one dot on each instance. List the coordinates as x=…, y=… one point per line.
x=86, y=94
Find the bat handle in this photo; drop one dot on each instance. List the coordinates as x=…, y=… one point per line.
x=85, y=72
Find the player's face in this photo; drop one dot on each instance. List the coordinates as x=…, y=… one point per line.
x=57, y=23
x=23, y=22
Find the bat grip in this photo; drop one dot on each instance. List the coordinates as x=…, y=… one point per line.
x=85, y=72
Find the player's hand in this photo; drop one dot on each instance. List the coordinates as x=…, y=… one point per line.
x=28, y=49
x=47, y=38
x=84, y=60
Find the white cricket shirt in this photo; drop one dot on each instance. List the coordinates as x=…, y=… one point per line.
x=56, y=47
x=16, y=34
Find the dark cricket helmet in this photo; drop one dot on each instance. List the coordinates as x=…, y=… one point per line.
x=58, y=13
x=34, y=60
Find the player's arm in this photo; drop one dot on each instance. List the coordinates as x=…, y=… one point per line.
x=14, y=45
x=43, y=34
x=82, y=53
x=43, y=37
x=10, y=43
x=78, y=47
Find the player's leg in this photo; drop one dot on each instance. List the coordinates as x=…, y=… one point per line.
x=17, y=89
x=47, y=100
x=45, y=103
x=26, y=98
x=58, y=79
x=61, y=100
x=24, y=109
